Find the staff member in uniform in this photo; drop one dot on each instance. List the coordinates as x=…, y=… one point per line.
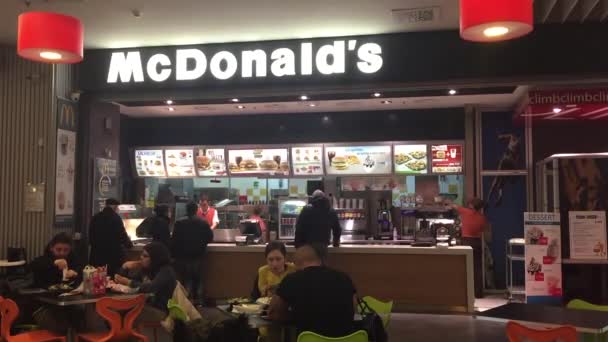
x=108, y=238
x=474, y=223
x=206, y=212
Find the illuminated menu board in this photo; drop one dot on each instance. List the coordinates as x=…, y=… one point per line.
x=180, y=162
x=411, y=159
x=446, y=158
x=307, y=160
x=210, y=162
x=358, y=160
x=272, y=162
x=149, y=163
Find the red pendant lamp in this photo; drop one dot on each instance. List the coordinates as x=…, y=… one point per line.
x=50, y=38
x=495, y=20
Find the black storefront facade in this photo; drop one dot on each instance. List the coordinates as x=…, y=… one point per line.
x=397, y=65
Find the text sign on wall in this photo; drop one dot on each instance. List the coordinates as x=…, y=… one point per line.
x=193, y=63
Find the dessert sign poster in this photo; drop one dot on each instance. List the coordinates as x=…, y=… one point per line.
x=542, y=232
x=65, y=162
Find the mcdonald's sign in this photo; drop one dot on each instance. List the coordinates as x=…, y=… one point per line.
x=67, y=115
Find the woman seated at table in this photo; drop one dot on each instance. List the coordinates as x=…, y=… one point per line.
x=57, y=265
x=151, y=274
x=270, y=275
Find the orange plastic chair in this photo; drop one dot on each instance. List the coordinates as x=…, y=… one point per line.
x=519, y=333
x=119, y=330
x=9, y=311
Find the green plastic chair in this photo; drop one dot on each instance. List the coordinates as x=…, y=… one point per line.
x=307, y=336
x=578, y=304
x=382, y=309
x=176, y=311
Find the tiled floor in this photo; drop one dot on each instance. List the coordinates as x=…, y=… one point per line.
x=442, y=328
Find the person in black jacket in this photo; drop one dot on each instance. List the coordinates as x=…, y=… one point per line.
x=108, y=238
x=57, y=264
x=316, y=221
x=157, y=226
x=191, y=235
x=152, y=274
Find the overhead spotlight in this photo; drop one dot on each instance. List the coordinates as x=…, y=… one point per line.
x=169, y=102
x=386, y=102
x=557, y=110
x=240, y=107
x=171, y=109
x=304, y=97
x=452, y=92
x=376, y=94
x=235, y=100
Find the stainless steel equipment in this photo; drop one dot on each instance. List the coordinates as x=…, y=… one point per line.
x=225, y=235
x=132, y=216
x=384, y=220
x=289, y=210
x=436, y=224
x=353, y=216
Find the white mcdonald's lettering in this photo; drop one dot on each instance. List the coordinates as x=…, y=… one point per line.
x=192, y=63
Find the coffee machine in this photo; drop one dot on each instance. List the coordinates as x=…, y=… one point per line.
x=385, y=222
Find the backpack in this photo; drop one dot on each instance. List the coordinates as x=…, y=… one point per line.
x=371, y=322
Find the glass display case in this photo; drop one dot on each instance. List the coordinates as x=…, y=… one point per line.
x=289, y=209
x=132, y=216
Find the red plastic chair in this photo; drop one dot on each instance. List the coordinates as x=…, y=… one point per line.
x=119, y=330
x=9, y=311
x=519, y=333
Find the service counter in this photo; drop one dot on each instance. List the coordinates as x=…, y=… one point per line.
x=415, y=278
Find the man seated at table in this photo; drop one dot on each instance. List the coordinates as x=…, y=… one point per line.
x=322, y=300
x=57, y=265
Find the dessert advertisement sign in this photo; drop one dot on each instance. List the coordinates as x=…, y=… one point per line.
x=272, y=162
x=358, y=160
x=587, y=234
x=543, y=261
x=65, y=162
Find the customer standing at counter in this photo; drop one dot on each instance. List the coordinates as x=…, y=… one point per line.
x=157, y=226
x=207, y=212
x=317, y=221
x=108, y=238
x=474, y=223
x=191, y=235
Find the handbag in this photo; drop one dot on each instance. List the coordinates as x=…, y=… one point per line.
x=371, y=322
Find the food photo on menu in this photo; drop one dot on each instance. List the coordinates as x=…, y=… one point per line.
x=149, y=163
x=179, y=162
x=258, y=161
x=359, y=160
x=411, y=159
x=307, y=160
x=446, y=158
x=210, y=162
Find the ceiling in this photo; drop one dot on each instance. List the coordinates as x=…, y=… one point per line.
x=573, y=11
x=112, y=24
x=505, y=101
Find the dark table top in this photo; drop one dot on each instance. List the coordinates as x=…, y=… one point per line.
x=55, y=299
x=594, y=322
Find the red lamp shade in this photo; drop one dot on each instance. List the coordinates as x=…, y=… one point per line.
x=495, y=20
x=50, y=38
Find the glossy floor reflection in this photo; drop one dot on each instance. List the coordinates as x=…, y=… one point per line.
x=443, y=328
